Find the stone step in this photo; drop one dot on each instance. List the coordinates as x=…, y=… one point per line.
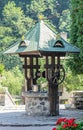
x=14, y=107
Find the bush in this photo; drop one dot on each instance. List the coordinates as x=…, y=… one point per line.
x=13, y=80
x=1, y=68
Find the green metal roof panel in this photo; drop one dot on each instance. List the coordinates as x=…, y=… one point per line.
x=67, y=48
x=41, y=38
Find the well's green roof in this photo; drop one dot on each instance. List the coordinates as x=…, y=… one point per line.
x=41, y=39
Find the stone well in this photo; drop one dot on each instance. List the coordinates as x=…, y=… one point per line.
x=36, y=103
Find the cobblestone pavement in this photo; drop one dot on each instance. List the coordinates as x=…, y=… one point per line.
x=16, y=118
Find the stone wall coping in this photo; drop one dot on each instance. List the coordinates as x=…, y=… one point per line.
x=34, y=94
x=77, y=92
x=2, y=93
x=74, y=96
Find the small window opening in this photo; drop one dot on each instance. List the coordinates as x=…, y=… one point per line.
x=58, y=43
x=24, y=43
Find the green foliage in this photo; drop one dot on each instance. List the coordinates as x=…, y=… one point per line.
x=13, y=26
x=37, y=6
x=1, y=68
x=40, y=7
x=2, y=4
x=62, y=5
x=41, y=80
x=13, y=16
x=13, y=80
x=64, y=23
x=48, y=8
x=11, y=61
x=76, y=32
x=1, y=90
x=73, y=82
x=5, y=37
x=41, y=63
x=80, y=126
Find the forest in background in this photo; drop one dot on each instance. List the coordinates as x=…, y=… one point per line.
x=19, y=16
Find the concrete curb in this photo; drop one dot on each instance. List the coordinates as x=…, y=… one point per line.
x=26, y=125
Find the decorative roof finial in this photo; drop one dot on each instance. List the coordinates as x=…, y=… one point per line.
x=40, y=17
x=23, y=37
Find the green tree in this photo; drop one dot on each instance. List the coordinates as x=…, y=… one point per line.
x=13, y=26
x=14, y=17
x=76, y=32
x=64, y=22
x=45, y=7
x=2, y=4
x=73, y=82
x=1, y=68
x=62, y=5
x=36, y=7
x=13, y=80
x=6, y=37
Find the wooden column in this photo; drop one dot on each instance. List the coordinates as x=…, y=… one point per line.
x=31, y=67
x=30, y=82
x=37, y=68
x=25, y=63
x=28, y=67
x=53, y=95
x=25, y=73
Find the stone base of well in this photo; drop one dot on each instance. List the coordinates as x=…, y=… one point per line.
x=36, y=103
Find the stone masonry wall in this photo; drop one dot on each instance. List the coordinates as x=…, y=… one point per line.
x=36, y=103
x=77, y=97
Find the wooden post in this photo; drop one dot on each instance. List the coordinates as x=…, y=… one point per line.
x=53, y=95
x=31, y=73
x=25, y=69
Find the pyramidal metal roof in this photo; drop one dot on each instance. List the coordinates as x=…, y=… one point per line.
x=41, y=39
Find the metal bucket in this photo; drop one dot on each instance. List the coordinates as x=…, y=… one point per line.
x=35, y=88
